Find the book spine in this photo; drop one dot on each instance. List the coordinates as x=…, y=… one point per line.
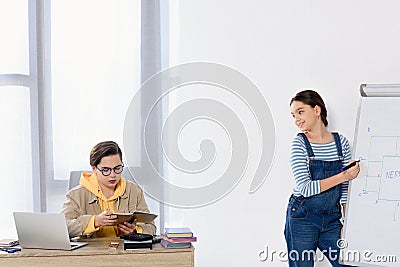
x=179, y=239
x=137, y=245
x=171, y=235
x=167, y=244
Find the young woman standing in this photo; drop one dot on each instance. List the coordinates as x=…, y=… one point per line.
x=314, y=210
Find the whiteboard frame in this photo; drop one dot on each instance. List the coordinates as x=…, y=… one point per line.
x=380, y=90
x=367, y=90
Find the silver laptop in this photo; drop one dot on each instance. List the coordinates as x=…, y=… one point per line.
x=43, y=230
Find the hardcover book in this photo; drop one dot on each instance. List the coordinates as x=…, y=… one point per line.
x=167, y=244
x=141, y=216
x=178, y=240
x=178, y=232
x=129, y=244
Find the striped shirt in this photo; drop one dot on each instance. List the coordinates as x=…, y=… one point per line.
x=299, y=162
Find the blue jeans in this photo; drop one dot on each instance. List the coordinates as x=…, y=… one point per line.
x=307, y=230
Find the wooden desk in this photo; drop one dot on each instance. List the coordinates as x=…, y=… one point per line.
x=96, y=253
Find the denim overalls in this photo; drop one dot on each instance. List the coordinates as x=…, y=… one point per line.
x=314, y=222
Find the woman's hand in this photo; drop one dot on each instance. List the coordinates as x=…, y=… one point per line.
x=128, y=228
x=105, y=219
x=352, y=173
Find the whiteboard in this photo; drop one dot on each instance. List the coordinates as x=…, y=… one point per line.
x=371, y=235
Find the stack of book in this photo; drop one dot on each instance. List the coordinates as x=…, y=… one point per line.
x=8, y=243
x=177, y=238
x=138, y=241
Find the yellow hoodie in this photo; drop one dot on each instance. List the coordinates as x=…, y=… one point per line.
x=90, y=182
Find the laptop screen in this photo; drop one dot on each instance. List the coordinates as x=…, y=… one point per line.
x=42, y=230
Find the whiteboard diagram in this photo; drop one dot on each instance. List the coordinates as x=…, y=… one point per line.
x=382, y=177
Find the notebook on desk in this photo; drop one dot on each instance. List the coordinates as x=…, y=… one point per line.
x=44, y=231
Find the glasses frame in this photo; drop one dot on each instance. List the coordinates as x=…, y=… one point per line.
x=106, y=169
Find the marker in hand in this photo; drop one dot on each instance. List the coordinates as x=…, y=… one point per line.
x=349, y=166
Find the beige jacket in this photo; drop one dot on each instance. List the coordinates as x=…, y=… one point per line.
x=81, y=205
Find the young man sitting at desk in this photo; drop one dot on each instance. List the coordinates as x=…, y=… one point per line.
x=89, y=205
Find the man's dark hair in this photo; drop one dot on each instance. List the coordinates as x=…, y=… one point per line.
x=104, y=149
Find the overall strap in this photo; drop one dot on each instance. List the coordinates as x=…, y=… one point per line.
x=338, y=145
x=310, y=152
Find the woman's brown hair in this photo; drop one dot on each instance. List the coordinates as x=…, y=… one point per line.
x=312, y=98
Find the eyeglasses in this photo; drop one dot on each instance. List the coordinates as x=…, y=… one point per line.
x=107, y=171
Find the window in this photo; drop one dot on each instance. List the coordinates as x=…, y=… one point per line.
x=95, y=73
x=14, y=52
x=16, y=120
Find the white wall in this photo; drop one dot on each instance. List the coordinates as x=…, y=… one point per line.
x=283, y=47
